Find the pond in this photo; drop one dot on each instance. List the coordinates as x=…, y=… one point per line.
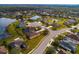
x=4, y=22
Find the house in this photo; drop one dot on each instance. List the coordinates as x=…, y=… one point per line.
x=35, y=17
x=45, y=13
x=68, y=45
x=21, y=21
x=69, y=42
x=56, y=25
x=3, y=50
x=22, y=24
x=70, y=21
x=34, y=24
x=61, y=51
x=74, y=37
x=31, y=32
x=77, y=33
x=18, y=44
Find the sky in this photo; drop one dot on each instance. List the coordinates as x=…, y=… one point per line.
x=39, y=1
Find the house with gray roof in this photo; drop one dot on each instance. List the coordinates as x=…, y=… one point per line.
x=70, y=21
x=69, y=42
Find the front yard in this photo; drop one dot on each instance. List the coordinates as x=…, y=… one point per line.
x=77, y=49
x=33, y=43
x=17, y=32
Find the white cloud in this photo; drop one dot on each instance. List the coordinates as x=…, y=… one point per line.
x=39, y=1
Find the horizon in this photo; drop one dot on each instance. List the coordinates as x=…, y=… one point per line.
x=49, y=5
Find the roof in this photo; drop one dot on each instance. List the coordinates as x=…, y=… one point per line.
x=45, y=13
x=22, y=24
x=68, y=46
x=26, y=30
x=30, y=32
x=34, y=24
x=78, y=33
x=72, y=20
x=61, y=52
x=73, y=36
x=56, y=25
x=17, y=43
x=35, y=17
x=3, y=50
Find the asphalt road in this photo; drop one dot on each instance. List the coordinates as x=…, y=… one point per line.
x=46, y=40
x=41, y=48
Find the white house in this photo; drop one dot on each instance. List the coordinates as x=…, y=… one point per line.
x=35, y=17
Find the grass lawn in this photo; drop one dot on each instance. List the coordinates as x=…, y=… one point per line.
x=33, y=43
x=50, y=50
x=60, y=22
x=75, y=30
x=30, y=43
x=17, y=32
x=59, y=28
x=77, y=51
x=8, y=40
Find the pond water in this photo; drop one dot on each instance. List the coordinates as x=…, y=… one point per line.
x=4, y=22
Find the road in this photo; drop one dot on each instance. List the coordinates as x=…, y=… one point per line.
x=47, y=39
x=41, y=48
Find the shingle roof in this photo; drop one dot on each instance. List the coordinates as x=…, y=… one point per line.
x=73, y=36
x=67, y=46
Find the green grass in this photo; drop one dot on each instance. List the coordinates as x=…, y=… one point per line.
x=8, y=40
x=59, y=28
x=11, y=29
x=17, y=32
x=60, y=22
x=75, y=30
x=77, y=49
x=32, y=43
x=50, y=50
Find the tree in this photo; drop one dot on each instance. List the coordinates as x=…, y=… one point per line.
x=50, y=50
x=5, y=43
x=55, y=44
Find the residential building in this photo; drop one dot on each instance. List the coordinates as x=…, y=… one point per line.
x=31, y=32
x=35, y=17
x=19, y=44
x=3, y=50
x=69, y=42
x=70, y=21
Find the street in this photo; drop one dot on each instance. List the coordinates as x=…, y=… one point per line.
x=41, y=48
x=46, y=40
